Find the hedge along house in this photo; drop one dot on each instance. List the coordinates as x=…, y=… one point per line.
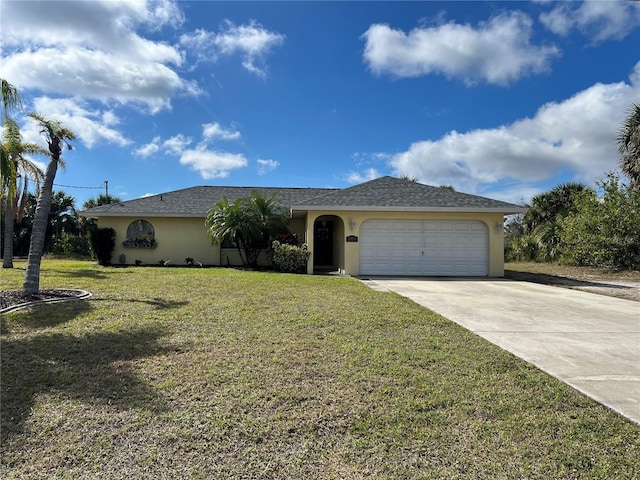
x=387, y=226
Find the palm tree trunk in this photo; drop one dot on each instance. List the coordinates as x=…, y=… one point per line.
x=32, y=277
x=9, y=215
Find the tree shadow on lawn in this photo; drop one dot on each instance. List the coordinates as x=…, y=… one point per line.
x=546, y=279
x=47, y=315
x=93, y=274
x=91, y=368
x=157, y=302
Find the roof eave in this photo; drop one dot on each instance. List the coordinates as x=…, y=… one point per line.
x=306, y=208
x=504, y=210
x=142, y=214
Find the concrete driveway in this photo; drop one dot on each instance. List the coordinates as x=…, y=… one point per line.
x=589, y=341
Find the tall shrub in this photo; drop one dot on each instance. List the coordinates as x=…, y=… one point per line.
x=103, y=242
x=605, y=230
x=290, y=258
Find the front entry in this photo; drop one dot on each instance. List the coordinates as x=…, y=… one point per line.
x=323, y=244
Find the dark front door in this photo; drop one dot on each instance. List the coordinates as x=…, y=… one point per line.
x=323, y=243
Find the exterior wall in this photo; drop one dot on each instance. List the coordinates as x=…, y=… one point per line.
x=297, y=226
x=177, y=239
x=350, y=251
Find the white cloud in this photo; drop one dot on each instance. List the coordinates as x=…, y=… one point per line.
x=90, y=125
x=148, y=149
x=92, y=49
x=574, y=137
x=176, y=144
x=214, y=130
x=368, y=174
x=173, y=146
x=265, y=166
x=498, y=51
x=251, y=41
x=210, y=164
x=597, y=19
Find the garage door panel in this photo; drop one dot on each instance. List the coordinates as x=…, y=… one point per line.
x=424, y=247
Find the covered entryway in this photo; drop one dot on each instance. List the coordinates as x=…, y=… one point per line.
x=328, y=253
x=424, y=247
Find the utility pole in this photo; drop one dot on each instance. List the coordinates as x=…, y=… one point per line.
x=106, y=188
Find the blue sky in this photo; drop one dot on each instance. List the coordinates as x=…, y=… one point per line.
x=501, y=99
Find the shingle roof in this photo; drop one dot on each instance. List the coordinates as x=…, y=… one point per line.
x=385, y=193
x=390, y=193
x=196, y=201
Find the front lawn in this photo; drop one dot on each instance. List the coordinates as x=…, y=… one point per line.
x=219, y=373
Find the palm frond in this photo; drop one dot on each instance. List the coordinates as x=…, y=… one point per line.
x=629, y=146
x=11, y=98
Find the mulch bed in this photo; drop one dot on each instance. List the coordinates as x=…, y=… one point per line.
x=10, y=300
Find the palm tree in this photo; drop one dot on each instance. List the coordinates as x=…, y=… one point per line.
x=86, y=223
x=56, y=136
x=250, y=223
x=10, y=101
x=550, y=206
x=13, y=195
x=629, y=146
x=101, y=199
x=10, y=97
x=229, y=221
x=270, y=216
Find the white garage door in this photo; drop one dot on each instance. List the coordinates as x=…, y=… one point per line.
x=424, y=247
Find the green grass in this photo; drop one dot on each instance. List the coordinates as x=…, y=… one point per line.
x=219, y=373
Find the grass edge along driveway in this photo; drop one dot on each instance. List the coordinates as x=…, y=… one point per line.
x=220, y=373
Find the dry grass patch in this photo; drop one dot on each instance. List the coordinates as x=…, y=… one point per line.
x=217, y=373
x=571, y=271
x=604, y=281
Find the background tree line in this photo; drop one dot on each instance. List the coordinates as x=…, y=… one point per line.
x=581, y=225
x=66, y=233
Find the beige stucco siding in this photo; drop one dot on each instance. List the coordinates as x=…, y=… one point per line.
x=349, y=252
x=177, y=239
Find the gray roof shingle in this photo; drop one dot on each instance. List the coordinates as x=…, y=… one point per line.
x=398, y=193
x=196, y=201
x=384, y=193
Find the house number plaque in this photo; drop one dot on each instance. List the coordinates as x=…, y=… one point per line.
x=352, y=238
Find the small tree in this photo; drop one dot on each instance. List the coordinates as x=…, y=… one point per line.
x=103, y=242
x=56, y=136
x=16, y=187
x=250, y=223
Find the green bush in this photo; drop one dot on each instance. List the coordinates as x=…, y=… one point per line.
x=605, y=232
x=290, y=258
x=103, y=241
x=522, y=248
x=72, y=246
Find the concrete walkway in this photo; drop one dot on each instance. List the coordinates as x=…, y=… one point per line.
x=589, y=341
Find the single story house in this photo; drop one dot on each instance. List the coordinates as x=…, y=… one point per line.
x=386, y=226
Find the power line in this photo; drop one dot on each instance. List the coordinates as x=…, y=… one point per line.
x=105, y=185
x=76, y=186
